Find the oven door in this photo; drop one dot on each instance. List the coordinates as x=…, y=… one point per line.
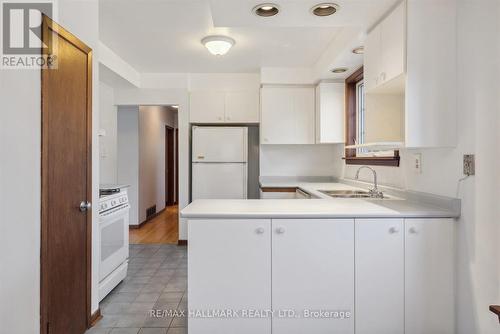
x=113, y=228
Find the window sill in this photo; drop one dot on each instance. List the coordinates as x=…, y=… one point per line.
x=373, y=161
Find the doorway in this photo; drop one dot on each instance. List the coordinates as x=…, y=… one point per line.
x=66, y=219
x=170, y=166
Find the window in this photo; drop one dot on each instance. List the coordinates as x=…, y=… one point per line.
x=356, y=125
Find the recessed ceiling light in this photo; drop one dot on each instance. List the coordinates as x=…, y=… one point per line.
x=359, y=50
x=218, y=45
x=175, y=106
x=339, y=70
x=266, y=9
x=325, y=9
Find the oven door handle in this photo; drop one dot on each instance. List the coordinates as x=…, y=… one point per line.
x=112, y=213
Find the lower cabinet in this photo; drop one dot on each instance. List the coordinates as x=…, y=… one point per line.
x=229, y=266
x=377, y=276
x=312, y=272
x=429, y=276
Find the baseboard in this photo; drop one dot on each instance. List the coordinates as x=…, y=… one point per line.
x=134, y=227
x=95, y=317
x=182, y=242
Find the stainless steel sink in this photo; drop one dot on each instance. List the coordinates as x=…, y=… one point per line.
x=348, y=193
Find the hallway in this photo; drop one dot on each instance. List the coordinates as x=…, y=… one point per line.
x=157, y=280
x=163, y=229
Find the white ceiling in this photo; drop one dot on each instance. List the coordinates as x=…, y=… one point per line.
x=164, y=35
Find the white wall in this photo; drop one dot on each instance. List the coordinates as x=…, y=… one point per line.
x=478, y=256
x=152, y=122
x=107, y=143
x=20, y=179
x=128, y=156
x=299, y=160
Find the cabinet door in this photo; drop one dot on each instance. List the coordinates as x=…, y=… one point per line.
x=287, y=115
x=229, y=265
x=206, y=107
x=372, y=63
x=242, y=107
x=393, y=47
x=429, y=276
x=313, y=269
x=330, y=112
x=379, y=276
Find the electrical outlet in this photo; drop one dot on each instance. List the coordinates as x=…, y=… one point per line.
x=469, y=164
x=417, y=163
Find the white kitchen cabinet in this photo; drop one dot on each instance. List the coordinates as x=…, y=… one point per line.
x=431, y=84
x=224, y=107
x=206, y=107
x=242, y=107
x=330, y=111
x=385, y=49
x=229, y=263
x=372, y=58
x=379, y=276
x=313, y=269
x=287, y=115
x=429, y=276
x=277, y=194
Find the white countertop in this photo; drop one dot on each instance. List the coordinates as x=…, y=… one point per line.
x=323, y=207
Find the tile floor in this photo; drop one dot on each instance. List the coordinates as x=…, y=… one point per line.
x=157, y=280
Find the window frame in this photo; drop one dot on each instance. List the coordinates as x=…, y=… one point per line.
x=351, y=128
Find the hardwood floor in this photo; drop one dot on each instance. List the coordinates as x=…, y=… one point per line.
x=163, y=229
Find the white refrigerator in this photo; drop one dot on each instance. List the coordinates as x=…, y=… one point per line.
x=219, y=162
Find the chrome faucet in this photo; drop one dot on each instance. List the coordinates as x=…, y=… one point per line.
x=374, y=192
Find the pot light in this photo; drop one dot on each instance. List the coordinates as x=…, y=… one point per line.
x=266, y=9
x=325, y=9
x=218, y=45
x=339, y=70
x=359, y=50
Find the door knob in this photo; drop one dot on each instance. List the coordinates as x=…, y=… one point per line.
x=393, y=230
x=280, y=230
x=260, y=230
x=413, y=230
x=85, y=206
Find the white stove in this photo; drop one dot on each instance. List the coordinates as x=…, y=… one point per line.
x=113, y=228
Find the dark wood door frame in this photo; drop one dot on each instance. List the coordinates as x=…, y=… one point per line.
x=177, y=166
x=48, y=28
x=169, y=165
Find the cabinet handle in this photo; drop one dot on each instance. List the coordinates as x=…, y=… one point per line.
x=219, y=118
x=393, y=230
x=260, y=230
x=266, y=140
x=413, y=230
x=228, y=118
x=280, y=230
x=382, y=76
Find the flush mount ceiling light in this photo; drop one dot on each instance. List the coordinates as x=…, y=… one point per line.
x=325, y=9
x=359, y=50
x=266, y=9
x=338, y=70
x=218, y=45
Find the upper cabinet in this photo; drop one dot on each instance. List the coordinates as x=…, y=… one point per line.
x=410, y=76
x=385, y=50
x=287, y=115
x=224, y=107
x=330, y=111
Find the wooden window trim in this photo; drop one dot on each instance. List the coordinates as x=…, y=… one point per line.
x=350, y=130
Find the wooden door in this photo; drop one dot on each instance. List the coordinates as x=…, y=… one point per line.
x=313, y=270
x=66, y=182
x=379, y=276
x=169, y=166
x=229, y=269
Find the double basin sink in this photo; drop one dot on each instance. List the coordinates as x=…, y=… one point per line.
x=351, y=194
